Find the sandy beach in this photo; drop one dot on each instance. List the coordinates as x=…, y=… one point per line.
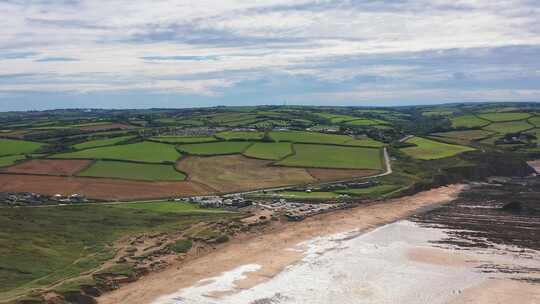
x=271, y=251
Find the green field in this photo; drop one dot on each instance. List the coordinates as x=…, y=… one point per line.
x=102, y=142
x=271, y=151
x=184, y=139
x=365, y=122
x=468, y=135
x=535, y=121
x=133, y=171
x=509, y=127
x=497, y=117
x=339, y=157
x=427, y=149
x=168, y=207
x=10, y=160
x=309, y=137
x=308, y=195
x=12, y=147
x=148, y=152
x=468, y=121
x=240, y=135
x=336, y=118
x=217, y=148
x=40, y=246
x=371, y=191
x=364, y=142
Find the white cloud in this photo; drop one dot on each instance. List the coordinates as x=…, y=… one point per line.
x=251, y=36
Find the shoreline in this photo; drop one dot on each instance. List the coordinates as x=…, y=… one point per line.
x=271, y=248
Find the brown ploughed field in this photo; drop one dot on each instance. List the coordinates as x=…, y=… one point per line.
x=99, y=188
x=235, y=173
x=49, y=167
x=339, y=174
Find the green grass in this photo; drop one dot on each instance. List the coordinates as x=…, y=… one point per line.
x=364, y=142
x=308, y=195
x=468, y=121
x=309, y=137
x=12, y=147
x=468, y=135
x=509, y=127
x=133, y=171
x=10, y=160
x=217, y=148
x=535, y=121
x=184, y=139
x=497, y=117
x=427, y=149
x=149, y=152
x=181, y=246
x=240, y=135
x=336, y=118
x=102, y=142
x=167, y=207
x=271, y=151
x=371, y=191
x=40, y=246
x=365, y=122
x=339, y=157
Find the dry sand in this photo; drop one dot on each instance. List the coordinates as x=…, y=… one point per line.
x=270, y=250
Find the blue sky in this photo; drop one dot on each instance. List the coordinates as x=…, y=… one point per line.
x=165, y=53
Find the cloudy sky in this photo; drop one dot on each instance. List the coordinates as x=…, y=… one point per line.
x=176, y=53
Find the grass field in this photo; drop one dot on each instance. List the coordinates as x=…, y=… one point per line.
x=365, y=122
x=324, y=156
x=309, y=137
x=364, y=142
x=497, y=117
x=168, y=207
x=240, y=135
x=371, y=191
x=133, y=171
x=308, y=195
x=184, y=139
x=336, y=118
x=535, y=121
x=468, y=121
x=12, y=147
x=10, y=160
x=40, y=246
x=102, y=142
x=468, y=135
x=427, y=149
x=509, y=127
x=149, y=152
x=271, y=151
x=217, y=148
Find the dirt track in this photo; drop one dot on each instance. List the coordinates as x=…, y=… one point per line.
x=49, y=167
x=99, y=188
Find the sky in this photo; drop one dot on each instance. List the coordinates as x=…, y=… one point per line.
x=175, y=53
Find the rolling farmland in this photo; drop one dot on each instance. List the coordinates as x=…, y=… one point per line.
x=325, y=156
x=217, y=148
x=149, y=152
x=133, y=171
x=427, y=149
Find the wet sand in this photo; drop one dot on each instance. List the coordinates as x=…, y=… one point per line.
x=270, y=253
